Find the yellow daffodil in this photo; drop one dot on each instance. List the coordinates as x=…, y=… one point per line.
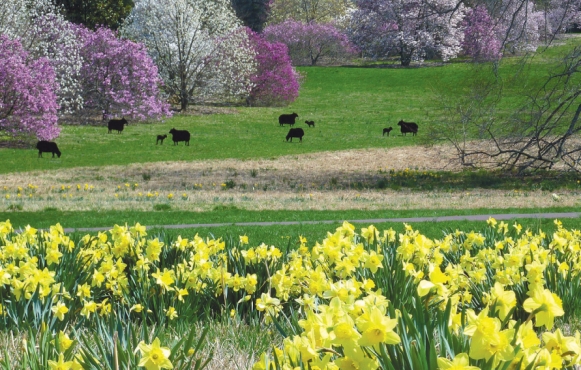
x=460, y=362
x=59, y=310
x=544, y=305
x=60, y=364
x=153, y=356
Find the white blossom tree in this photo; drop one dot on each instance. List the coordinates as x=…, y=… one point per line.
x=518, y=24
x=52, y=37
x=410, y=29
x=197, y=45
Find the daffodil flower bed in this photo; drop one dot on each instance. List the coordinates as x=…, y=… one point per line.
x=357, y=300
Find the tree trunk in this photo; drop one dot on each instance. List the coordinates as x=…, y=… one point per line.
x=406, y=59
x=184, y=100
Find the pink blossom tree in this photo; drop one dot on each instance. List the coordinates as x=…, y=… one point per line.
x=118, y=77
x=28, y=103
x=480, y=40
x=275, y=82
x=311, y=43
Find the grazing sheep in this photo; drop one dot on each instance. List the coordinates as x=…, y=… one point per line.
x=180, y=135
x=287, y=118
x=408, y=127
x=117, y=124
x=387, y=130
x=160, y=139
x=310, y=123
x=47, y=146
x=295, y=132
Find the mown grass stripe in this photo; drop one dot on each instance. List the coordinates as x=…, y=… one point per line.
x=361, y=221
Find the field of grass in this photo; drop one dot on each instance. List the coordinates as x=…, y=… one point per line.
x=350, y=105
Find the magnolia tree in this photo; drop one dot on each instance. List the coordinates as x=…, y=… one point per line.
x=118, y=77
x=480, y=39
x=196, y=46
x=28, y=103
x=275, y=82
x=311, y=43
x=517, y=25
x=17, y=16
x=559, y=15
x=411, y=30
x=57, y=40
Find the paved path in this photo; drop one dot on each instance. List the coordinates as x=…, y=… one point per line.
x=363, y=221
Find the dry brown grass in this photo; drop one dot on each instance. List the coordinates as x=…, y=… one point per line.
x=320, y=181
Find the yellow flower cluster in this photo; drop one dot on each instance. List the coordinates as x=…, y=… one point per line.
x=498, y=289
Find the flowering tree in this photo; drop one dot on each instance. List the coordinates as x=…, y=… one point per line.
x=28, y=103
x=410, y=29
x=57, y=40
x=276, y=81
x=194, y=42
x=517, y=25
x=559, y=15
x=480, y=41
x=311, y=43
x=17, y=16
x=118, y=76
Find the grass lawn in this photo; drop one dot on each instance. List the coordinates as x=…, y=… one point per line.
x=231, y=215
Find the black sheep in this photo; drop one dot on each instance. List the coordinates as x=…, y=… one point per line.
x=117, y=124
x=387, y=130
x=408, y=127
x=287, y=118
x=180, y=135
x=295, y=132
x=160, y=139
x=310, y=123
x=47, y=146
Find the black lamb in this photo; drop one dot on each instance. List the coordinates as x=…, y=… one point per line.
x=387, y=130
x=310, y=123
x=160, y=139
